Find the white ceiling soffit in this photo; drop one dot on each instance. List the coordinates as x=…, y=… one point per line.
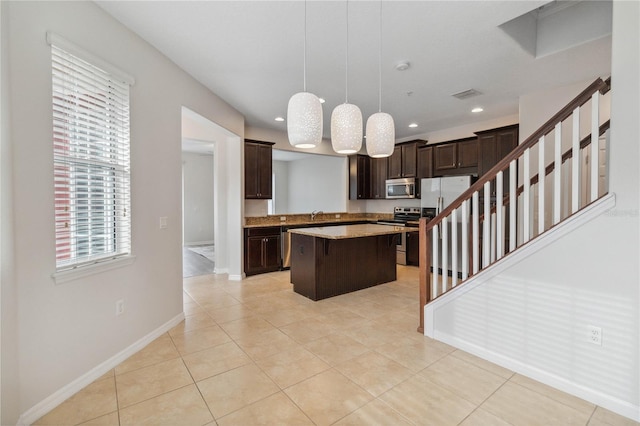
x=195, y=146
x=560, y=25
x=250, y=53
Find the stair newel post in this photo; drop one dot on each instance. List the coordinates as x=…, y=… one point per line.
x=425, y=267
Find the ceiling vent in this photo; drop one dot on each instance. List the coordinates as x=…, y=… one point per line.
x=466, y=94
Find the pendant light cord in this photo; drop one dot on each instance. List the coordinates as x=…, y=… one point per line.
x=380, y=62
x=346, y=54
x=304, y=61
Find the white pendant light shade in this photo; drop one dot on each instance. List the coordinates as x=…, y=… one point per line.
x=304, y=120
x=346, y=129
x=381, y=135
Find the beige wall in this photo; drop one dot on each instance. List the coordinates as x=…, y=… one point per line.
x=67, y=330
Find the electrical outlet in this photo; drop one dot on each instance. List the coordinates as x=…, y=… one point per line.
x=283, y=218
x=119, y=307
x=337, y=216
x=595, y=335
x=163, y=222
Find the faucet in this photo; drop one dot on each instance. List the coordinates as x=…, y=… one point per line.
x=315, y=213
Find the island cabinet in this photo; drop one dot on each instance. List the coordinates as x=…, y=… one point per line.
x=262, y=251
x=459, y=157
x=359, y=177
x=403, y=162
x=257, y=169
x=493, y=146
x=333, y=260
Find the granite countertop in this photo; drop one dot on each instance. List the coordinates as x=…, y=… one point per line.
x=305, y=219
x=338, y=232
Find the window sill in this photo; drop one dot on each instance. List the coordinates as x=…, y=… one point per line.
x=96, y=268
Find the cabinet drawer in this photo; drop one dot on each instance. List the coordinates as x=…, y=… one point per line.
x=263, y=232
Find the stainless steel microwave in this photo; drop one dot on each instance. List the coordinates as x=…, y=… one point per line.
x=401, y=188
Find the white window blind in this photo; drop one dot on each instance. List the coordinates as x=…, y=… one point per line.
x=91, y=162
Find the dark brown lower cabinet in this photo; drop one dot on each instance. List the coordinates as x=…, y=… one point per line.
x=413, y=248
x=323, y=267
x=262, y=251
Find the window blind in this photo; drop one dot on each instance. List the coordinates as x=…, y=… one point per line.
x=91, y=162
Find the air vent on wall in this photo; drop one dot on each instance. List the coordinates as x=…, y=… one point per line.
x=466, y=94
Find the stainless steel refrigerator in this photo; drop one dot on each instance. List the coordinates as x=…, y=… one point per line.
x=438, y=193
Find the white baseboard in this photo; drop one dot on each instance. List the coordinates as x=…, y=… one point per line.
x=616, y=405
x=67, y=391
x=236, y=277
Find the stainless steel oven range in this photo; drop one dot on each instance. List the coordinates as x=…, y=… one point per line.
x=403, y=216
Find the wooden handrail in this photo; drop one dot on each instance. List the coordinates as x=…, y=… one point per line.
x=548, y=127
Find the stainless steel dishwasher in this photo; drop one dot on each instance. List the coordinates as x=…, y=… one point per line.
x=286, y=247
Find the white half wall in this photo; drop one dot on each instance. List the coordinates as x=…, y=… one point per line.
x=197, y=196
x=66, y=330
x=534, y=318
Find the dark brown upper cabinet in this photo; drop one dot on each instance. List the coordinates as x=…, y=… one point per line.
x=459, y=157
x=403, y=162
x=425, y=162
x=493, y=146
x=257, y=170
x=359, y=177
x=378, y=173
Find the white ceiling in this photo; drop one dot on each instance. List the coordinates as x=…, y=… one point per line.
x=250, y=53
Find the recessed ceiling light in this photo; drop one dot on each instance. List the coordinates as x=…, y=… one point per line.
x=412, y=125
x=477, y=109
x=279, y=118
x=321, y=100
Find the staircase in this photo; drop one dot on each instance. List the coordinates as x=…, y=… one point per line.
x=537, y=193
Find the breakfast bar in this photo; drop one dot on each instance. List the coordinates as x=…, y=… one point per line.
x=333, y=260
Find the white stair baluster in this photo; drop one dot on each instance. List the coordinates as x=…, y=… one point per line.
x=486, y=230
x=575, y=163
x=541, y=181
x=434, y=264
x=526, y=225
x=557, y=175
x=454, y=248
x=513, y=205
x=476, y=233
x=445, y=254
x=464, y=228
x=492, y=252
x=499, y=217
x=595, y=136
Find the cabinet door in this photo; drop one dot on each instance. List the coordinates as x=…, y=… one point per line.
x=409, y=157
x=468, y=154
x=264, y=171
x=445, y=158
x=271, y=253
x=394, y=163
x=425, y=162
x=253, y=255
x=378, y=178
x=251, y=188
x=359, y=177
x=413, y=248
x=487, y=153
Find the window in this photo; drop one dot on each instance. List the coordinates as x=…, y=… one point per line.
x=91, y=160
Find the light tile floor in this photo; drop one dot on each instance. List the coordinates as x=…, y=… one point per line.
x=256, y=353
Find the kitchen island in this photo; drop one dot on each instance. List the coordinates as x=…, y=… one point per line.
x=333, y=260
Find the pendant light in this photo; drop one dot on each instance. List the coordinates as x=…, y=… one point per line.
x=346, y=119
x=304, y=112
x=381, y=132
